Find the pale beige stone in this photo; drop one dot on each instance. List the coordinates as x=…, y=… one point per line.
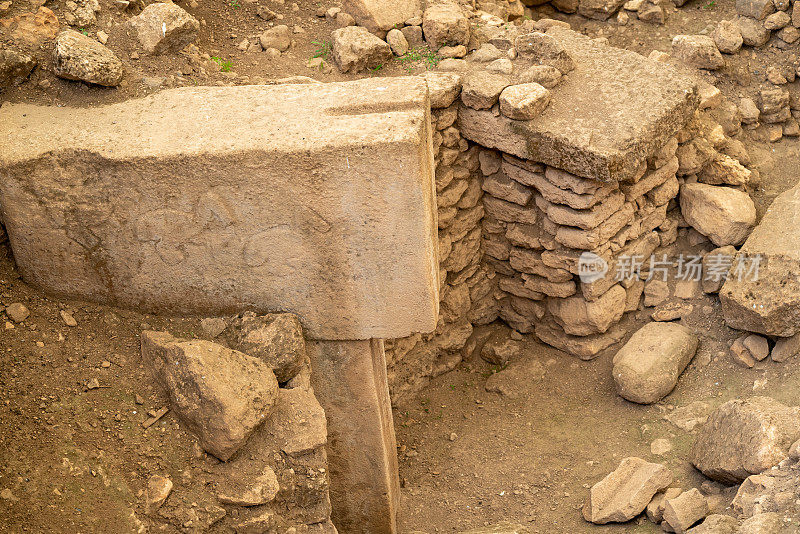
x=208, y=199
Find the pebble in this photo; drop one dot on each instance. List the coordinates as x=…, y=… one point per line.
x=17, y=312
x=68, y=319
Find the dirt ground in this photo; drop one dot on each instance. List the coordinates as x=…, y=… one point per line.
x=74, y=459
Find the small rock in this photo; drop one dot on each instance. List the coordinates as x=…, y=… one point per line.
x=716, y=524
x=355, y=49
x=624, y=493
x=17, y=312
x=262, y=490
x=655, y=510
x=279, y=38
x=164, y=28
x=544, y=49
x=656, y=292
x=444, y=24
x=443, y=88
x=758, y=346
x=545, y=75
x=481, y=90
x=744, y=437
x=785, y=348
x=728, y=37
x=397, y=42
x=671, y=311
x=158, y=489
x=501, y=66
x=499, y=349
x=698, y=51
x=213, y=326
x=723, y=214
x=777, y=20
x=276, y=339
x=766, y=523
x=660, y=446
x=68, y=319
x=648, y=366
x=525, y=101
x=79, y=57
x=688, y=417
x=716, y=265
x=683, y=511
x=14, y=67
x=753, y=31
x=92, y=383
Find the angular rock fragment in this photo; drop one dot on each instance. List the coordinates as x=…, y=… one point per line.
x=164, y=28
x=726, y=216
x=444, y=24
x=698, y=51
x=745, y=437
x=79, y=57
x=683, y=511
x=14, y=66
x=524, y=101
x=481, y=90
x=624, y=493
x=221, y=395
x=716, y=524
x=648, y=366
x=545, y=49
x=443, y=88
x=381, y=15
x=655, y=510
x=276, y=339
x=767, y=300
x=355, y=49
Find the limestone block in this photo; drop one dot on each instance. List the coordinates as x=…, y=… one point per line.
x=381, y=15
x=615, y=109
x=769, y=304
x=296, y=198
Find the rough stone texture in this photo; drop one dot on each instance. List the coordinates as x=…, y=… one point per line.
x=349, y=379
x=544, y=75
x=524, y=101
x=716, y=524
x=221, y=395
x=698, y=51
x=443, y=88
x=771, y=304
x=610, y=113
x=276, y=339
x=544, y=49
x=356, y=49
x=581, y=318
x=599, y=9
x=766, y=523
x=397, y=42
x=275, y=222
x=757, y=9
x=786, y=348
x=14, y=66
x=278, y=37
x=753, y=31
x=685, y=510
x=647, y=368
x=775, y=490
x=164, y=28
x=655, y=510
x=624, y=493
x=745, y=437
x=726, y=216
x=444, y=24
x=481, y=89
x=381, y=15
x=79, y=57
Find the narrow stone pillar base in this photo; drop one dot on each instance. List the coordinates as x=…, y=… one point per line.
x=349, y=379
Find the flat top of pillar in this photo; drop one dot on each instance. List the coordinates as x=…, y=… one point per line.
x=606, y=116
x=193, y=120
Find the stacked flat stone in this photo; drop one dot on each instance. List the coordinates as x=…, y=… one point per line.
x=467, y=291
x=541, y=219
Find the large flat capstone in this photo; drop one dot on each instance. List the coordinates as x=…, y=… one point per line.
x=605, y=118
x=312, y=199
x=762, y=291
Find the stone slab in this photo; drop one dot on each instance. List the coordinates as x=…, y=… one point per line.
x=314, y=199
x=768, y=303
x=605, y=118
x=349, y=379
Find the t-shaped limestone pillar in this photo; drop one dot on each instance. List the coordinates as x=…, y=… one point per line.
x=316, y=199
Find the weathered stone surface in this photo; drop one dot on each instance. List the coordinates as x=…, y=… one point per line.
x=524, y=101
x=757, y=9
x=500, y=528
x=481, y=89
x=444, y=24
x=260, y=490
x=158, y=489
x=164, y=28
x=397, y=42
x=381, y=15
x=581, y=318
x=599, y=9
x=79, y=57
x=716, y=264
x=624, y=493
x=584, y=347
x=765, y=523
x=221, y=395
x=276, y=339
x=697, y=51
x=745, y=437
x=726, y=216
x=683, y=511
x=647, y=368
x=785, y=348
x=222, y=237
x=769, y=304
x=607, y=116
x=655, y=510
x=278, y=37
x=17, y=312
x=349, y=379
x=443, y=88
x=14, y=66
x=753, y=32
x=544, y=75
x=716, y=524
x=775, y=490
x=544, y=49
x=356, y=49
